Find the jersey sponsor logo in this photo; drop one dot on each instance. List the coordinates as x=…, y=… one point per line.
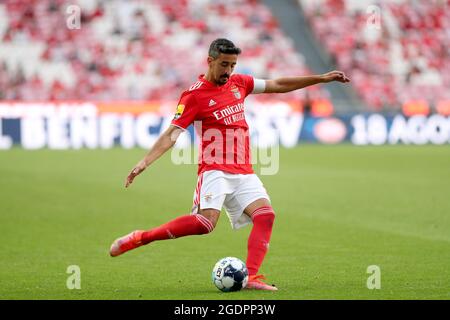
x=228, y=111
x=179, y=112
x=212, y=102
x=236, y=92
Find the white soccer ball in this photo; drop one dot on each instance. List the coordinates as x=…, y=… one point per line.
x=230, y=274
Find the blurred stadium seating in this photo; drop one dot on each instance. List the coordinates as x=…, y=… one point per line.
x=124, y=69
x=133, y=50
x=152, y=50
x=404, y=63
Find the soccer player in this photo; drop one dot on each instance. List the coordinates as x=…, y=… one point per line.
x=225, y=174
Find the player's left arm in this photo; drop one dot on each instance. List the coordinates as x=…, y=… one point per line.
x=287, y=84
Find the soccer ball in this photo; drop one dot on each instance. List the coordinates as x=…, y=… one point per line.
x=230, y=274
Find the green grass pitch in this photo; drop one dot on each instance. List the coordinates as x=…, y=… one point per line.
x=339, y=210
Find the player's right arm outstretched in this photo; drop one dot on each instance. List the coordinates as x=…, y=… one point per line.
x=164, y=143
x=184, y=116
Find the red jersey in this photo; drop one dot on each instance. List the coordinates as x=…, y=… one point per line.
x=218, y=116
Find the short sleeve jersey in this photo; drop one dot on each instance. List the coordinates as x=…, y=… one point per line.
x=217, y=112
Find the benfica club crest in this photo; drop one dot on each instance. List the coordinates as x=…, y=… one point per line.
x=235, y=91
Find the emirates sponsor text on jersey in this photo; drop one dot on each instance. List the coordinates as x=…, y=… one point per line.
x=230, y=114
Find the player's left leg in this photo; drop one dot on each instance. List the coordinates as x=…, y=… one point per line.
x=249, y=203
x=263, y=216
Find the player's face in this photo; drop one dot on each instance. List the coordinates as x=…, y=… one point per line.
x=222, y=67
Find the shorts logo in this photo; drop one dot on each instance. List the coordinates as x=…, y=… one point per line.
x=236, y=92
x=180, y=109
x=208, y=197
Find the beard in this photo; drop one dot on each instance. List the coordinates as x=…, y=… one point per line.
x=223, y=79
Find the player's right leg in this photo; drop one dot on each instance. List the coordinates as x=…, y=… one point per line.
x=197, y=223
x=186, y=225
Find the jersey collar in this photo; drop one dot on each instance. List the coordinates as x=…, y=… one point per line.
x=209, y=83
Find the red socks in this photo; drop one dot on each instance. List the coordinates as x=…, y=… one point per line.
x=258, y=241
x=194, y=224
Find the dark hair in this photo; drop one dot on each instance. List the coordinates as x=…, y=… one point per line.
x=222, y=45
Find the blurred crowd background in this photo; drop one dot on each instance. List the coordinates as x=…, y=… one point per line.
x=153, y=50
